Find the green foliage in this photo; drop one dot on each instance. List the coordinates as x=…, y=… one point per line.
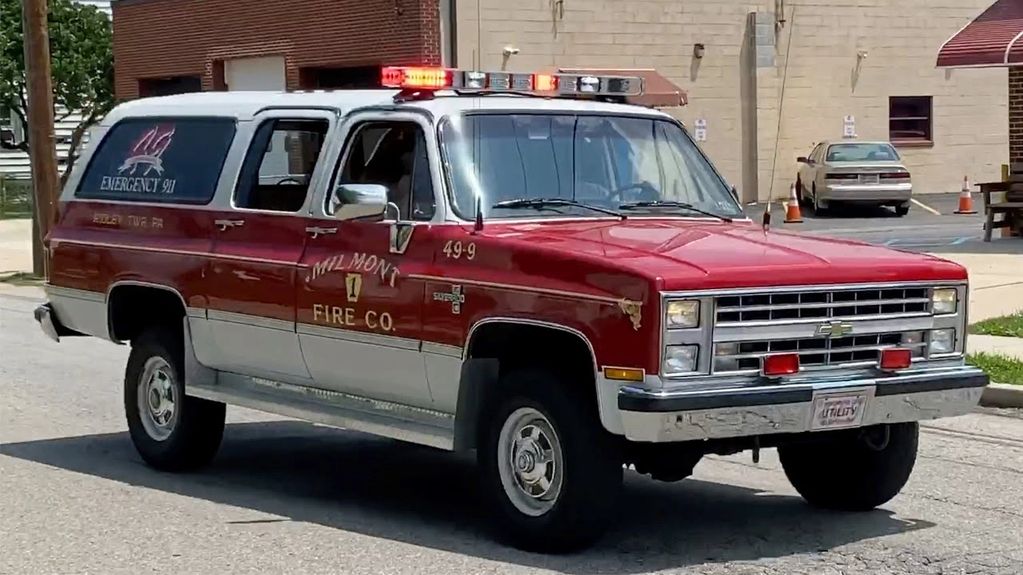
x=1001, y=368
x=1005, y=326
x=81, y=55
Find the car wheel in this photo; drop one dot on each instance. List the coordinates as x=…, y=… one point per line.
x=171, y=431
x=551, y=472
x=800, y=195
x=902, y=210
x=861, y=468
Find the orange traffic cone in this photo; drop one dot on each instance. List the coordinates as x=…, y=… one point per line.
x=965, y=198
x=792, y=213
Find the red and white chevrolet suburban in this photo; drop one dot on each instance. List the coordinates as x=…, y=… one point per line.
x=516, y=264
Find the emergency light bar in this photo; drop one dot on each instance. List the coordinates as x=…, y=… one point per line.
x=422, y=78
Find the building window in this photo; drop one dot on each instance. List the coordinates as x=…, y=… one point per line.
x=169, y=86
x=910, y=120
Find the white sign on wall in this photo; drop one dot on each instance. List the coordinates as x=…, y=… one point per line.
x=849, y=127
x=700, y=134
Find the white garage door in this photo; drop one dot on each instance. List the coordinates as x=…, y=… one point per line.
x=255, y=73
x=262, y=74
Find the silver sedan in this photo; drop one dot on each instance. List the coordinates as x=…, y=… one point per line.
x=854, y=171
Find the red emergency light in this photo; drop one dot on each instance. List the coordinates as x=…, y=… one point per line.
x=416, y=77
x=781, y=364
x=896, y=358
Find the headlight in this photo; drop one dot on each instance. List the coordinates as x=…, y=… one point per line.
x=943, y=341
x=679, y=359
x=943, y=301
x=682, y=314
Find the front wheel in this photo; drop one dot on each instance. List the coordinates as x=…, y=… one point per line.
x=171, y=431
x=853, y=470
x=548, y=467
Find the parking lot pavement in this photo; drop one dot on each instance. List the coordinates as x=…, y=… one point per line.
x=920, y=230
x=288, y=497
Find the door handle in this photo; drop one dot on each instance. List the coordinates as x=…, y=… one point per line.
x=316, y=231
x=224, y=224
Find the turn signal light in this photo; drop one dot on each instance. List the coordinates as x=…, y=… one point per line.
x=781, y=364
x=896, y=358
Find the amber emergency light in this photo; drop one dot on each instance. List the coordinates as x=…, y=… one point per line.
x=551, y=85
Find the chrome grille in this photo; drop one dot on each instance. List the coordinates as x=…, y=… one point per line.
x=814, y=352
x=786, y=307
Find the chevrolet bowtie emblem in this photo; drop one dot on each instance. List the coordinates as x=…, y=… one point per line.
x=834, y=329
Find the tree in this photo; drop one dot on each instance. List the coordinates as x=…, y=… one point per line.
x=82, y=60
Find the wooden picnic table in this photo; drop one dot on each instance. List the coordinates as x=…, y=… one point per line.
x=1011, y=208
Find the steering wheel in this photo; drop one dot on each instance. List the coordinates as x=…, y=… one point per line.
x=289, y=179
x=646, y=193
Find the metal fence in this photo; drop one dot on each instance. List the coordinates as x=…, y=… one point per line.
x=15, y=197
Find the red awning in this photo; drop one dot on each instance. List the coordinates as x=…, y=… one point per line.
x=658, y=91
x=995, y=38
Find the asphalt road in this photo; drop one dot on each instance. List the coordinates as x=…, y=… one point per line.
x=287, y=497
x=920, y=230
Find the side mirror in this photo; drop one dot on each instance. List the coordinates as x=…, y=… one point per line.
x=803, y=160
x=357, y=201
x=735, y=194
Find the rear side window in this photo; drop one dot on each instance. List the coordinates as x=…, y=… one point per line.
x=171, y=160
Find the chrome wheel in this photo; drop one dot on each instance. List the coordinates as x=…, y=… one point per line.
x=157, y=399
x=530, y=461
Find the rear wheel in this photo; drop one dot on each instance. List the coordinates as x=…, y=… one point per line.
x=853, y=470
x=170, y=430
x=550, y=470
x=902, y=210
x=799, y=191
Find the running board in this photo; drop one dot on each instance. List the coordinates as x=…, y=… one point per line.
x=336, y=409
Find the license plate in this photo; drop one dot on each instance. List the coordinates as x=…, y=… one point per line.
x=839, y=410
x=869, y=178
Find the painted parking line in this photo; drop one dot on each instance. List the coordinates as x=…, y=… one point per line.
x=912, y=243
x=925, y=206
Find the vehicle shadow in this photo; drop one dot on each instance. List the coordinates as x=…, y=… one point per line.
x=426, y=497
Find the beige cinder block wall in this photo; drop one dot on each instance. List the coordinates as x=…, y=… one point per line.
x=804, y=71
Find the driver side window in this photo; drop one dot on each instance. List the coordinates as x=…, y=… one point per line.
x=279, y=164
x=394, y=155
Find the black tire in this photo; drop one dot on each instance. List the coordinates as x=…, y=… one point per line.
x=799, y=192
x=852, y=470
x=592, y=465
x=901, y=210
x=198, y=424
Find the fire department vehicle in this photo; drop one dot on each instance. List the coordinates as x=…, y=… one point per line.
x=524, y=265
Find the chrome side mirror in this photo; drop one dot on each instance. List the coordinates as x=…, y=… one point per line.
x=358, y=201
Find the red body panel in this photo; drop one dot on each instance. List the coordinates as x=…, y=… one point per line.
x=575, y=274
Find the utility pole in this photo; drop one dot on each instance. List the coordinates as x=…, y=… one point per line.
x=42, y=151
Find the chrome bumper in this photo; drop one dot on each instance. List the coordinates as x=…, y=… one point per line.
x=50, y=324
x=666, y=416
x=867, y=192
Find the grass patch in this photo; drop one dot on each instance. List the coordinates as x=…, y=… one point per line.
x=1001, y=368
x=1006, y=326
x=21, y=279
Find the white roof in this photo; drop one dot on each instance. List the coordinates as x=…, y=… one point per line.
x=244, y=105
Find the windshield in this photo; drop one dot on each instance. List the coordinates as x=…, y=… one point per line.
x=602, y=161
x=879, y=152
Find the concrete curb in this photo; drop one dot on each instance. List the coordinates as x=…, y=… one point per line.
x=1002, y=395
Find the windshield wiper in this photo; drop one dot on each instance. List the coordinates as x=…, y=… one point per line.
x=539, y=203
x=679, y=205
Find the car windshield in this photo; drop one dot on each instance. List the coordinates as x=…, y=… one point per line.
x=879, y=152
x=604, y=161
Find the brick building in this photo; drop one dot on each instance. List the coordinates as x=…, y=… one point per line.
x=768, y=77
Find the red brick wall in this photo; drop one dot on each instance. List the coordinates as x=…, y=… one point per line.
x=1015, y=115
x=163, y=38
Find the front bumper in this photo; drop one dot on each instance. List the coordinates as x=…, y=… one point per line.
x=664, y=416
x=867, y=192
